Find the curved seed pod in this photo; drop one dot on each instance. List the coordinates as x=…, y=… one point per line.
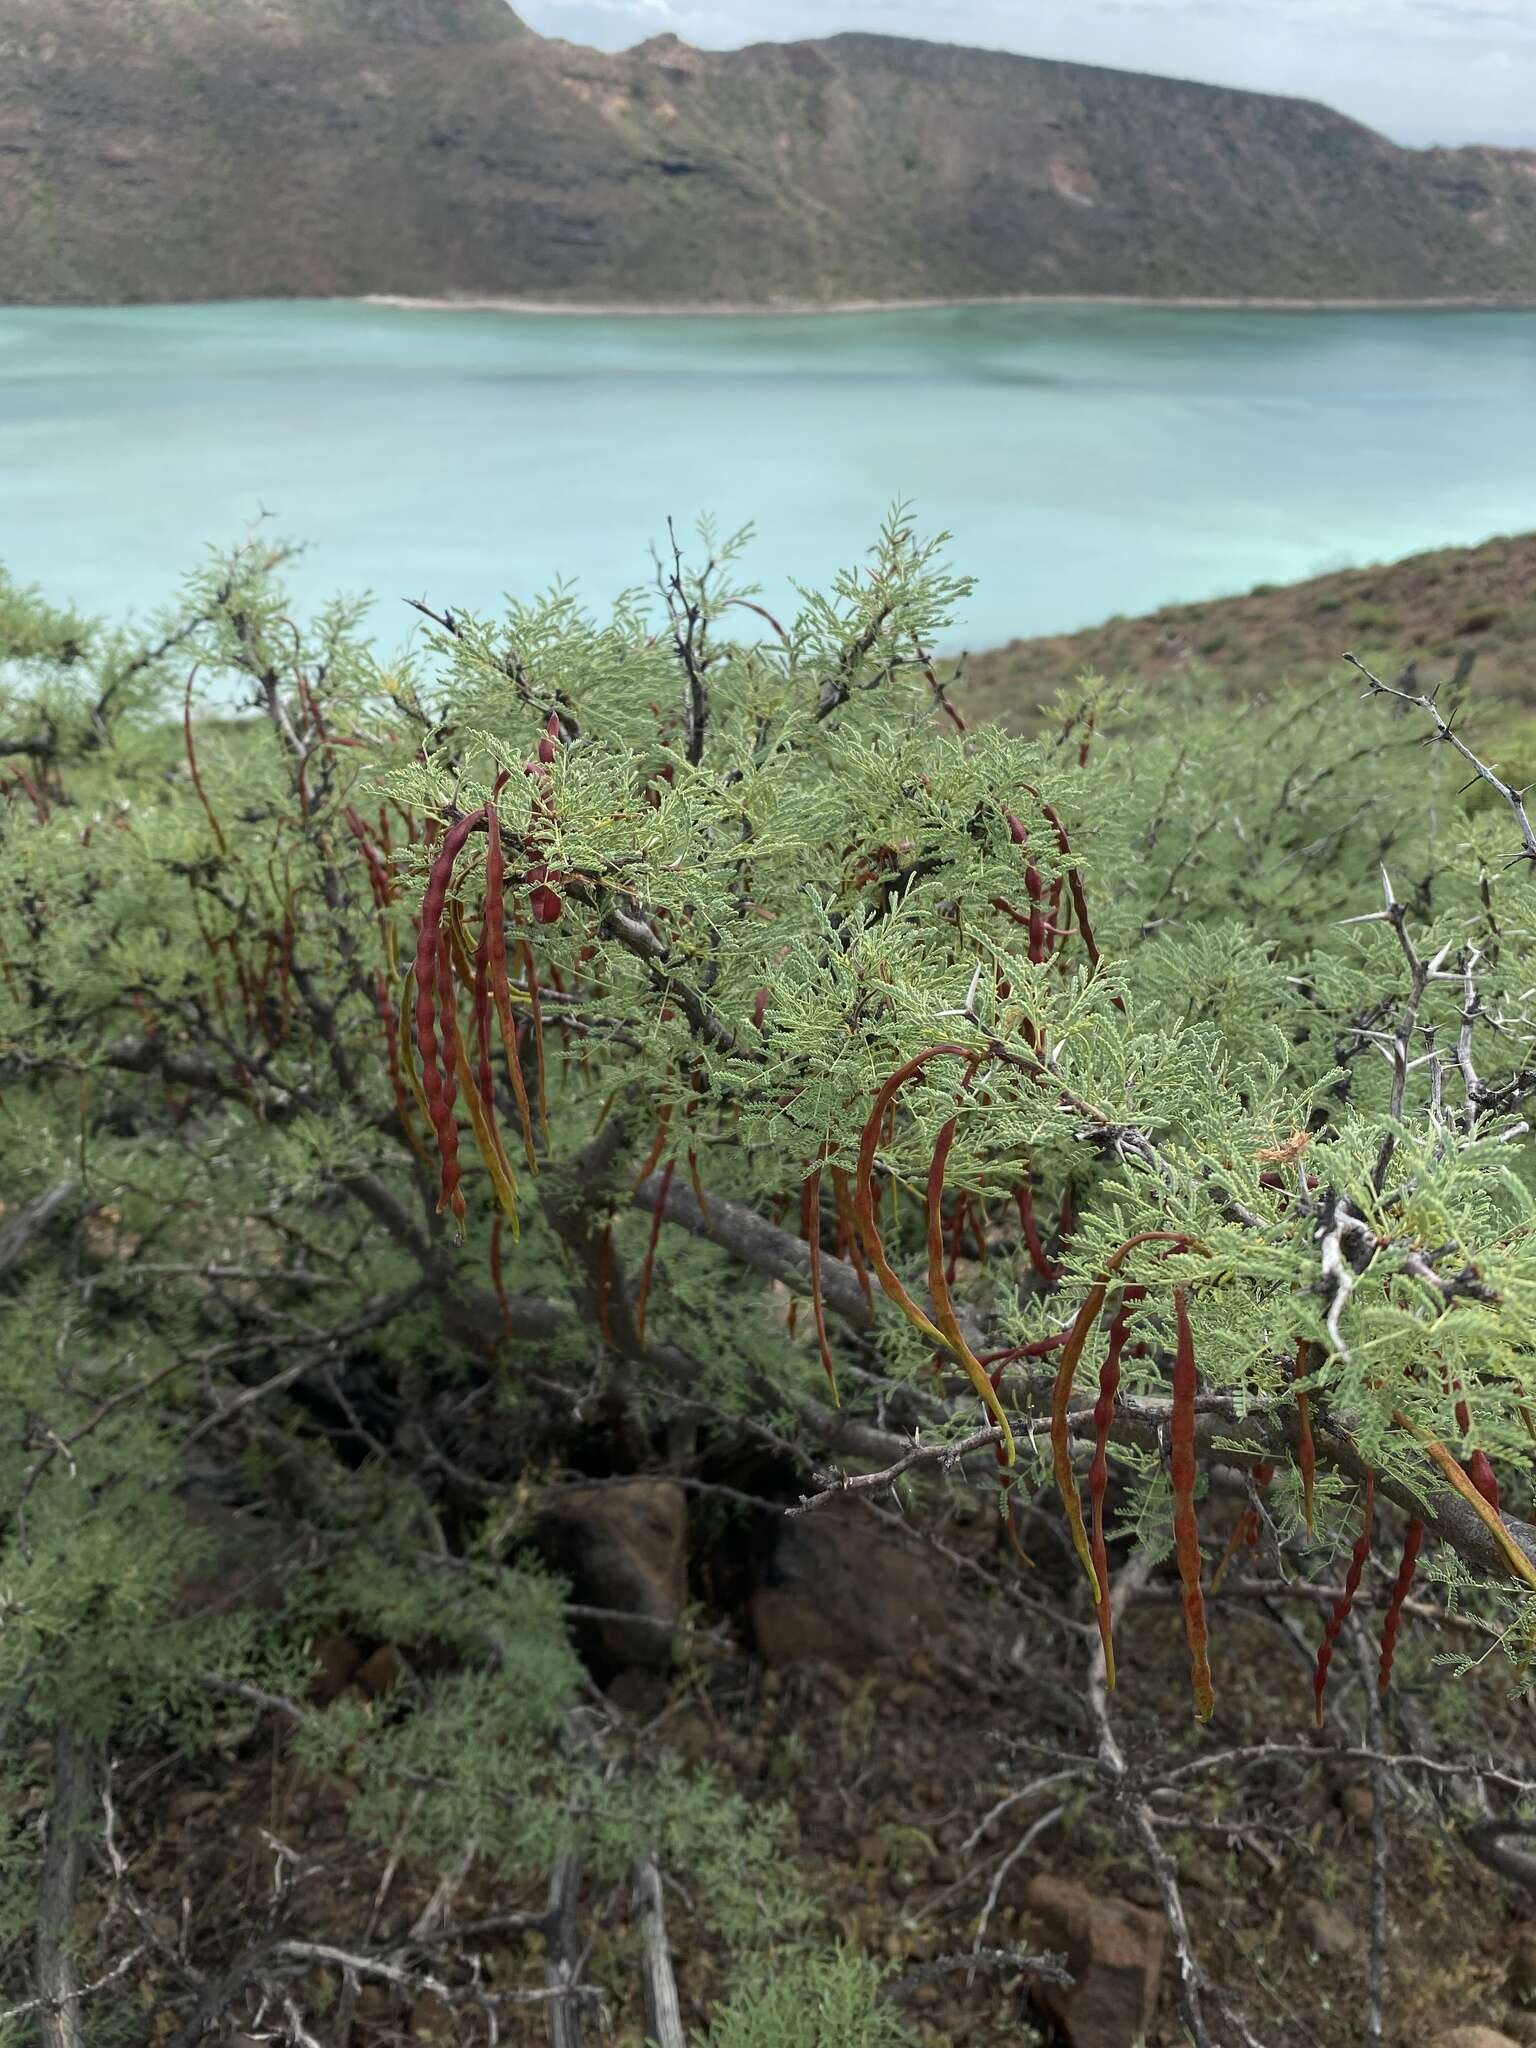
x=1346, y=1600
x=384, y=1004
x=380, y=880
x=648, y=1166
x=1517, y=1560
x=407, y=1064
x=1481, y=1473
x=1061, y=1392
x=864, y=1210
x=848, y=1224
x=197, y=780
x=1306, y=1450
x=1098, y=1472
x=938, y=1287
x=810, y=1230
x=451, y=1195
x=1402, y=1585
x=485, y=1078
x=495, y=938
x=531, y=980
x=1024, y=1201
x=487, y=1140
x=696, y=1184
x=863, y=1186
x=643, y=1292
x=434, y=1005
x=1186, y=1530
x=1247, y=1529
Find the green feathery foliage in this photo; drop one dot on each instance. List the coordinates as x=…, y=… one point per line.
x=1144, y=985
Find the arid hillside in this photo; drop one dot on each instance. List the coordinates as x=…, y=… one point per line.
x=1466, y=609
x=160, y=150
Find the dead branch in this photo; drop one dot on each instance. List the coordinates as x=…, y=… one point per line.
x=58, y=1990
x=663, y=2014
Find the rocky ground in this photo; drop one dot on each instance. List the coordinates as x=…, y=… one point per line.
x=1456, y=608
x=914, y=1711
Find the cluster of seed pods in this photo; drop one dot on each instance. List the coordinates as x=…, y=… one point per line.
x=448, y=1071
x=544, y=902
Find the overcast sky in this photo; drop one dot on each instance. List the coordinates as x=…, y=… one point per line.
x=1419, y=70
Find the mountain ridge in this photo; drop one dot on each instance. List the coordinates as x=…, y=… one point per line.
x=163, y=150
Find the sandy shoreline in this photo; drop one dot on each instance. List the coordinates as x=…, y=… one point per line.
x=800, y=309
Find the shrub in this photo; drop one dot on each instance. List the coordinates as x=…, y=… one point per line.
x=440, y=1057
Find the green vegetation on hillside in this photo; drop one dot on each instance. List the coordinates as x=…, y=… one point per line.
x=157, y=150
x=1466, y=611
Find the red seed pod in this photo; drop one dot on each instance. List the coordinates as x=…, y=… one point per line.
x=451, y=1195
x=1024, y=1201
x=380, y=880
x=810, y=1230
x=485, y=1079
x=1098, y=1471
x=1185, y=1527
x=495, y=939
x=545, y=905
x=1401, y=1586
x=643, y=1292
x=1346, y=1599
x=1306, y=1450
x=1061, y=1391
x=550, y=741
x=434, y=994
x=848, y=1226
x=1480, y=1472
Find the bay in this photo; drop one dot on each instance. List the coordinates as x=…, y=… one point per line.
x=1088, y=460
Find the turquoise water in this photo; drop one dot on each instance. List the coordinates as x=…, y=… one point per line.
x=1088, y=460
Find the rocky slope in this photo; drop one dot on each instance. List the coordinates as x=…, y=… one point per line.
x=192, y=149
x=1455, y=609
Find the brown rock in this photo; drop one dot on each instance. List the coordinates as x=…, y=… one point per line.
x=1115, y=1953
x=1359, y=1802
x=1522, y=1964
x=1473, y=2037
x=381, y=1672
x=1328, y=1931
x=621, y=1547
x=337, y=1658
x=839, y=1590
x=190, y=1801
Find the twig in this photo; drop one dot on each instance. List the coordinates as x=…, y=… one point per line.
x=1138, y=1809
x=663, y=2014
x=1480, y=769
x=1046, y=1969
x=1020, y=1848
x=1376, y=1991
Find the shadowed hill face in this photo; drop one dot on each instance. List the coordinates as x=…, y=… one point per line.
x=166, y=149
